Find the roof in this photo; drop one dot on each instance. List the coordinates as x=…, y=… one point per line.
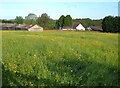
x=75, y=25
x=89, y=28
x=96, y=28
x=15, y=26
x=8, y=25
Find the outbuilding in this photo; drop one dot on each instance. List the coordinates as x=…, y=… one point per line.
x=94, y=28
x=80, y=27
x=35, y=28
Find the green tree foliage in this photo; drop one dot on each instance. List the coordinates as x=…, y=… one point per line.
x=7, y=21
x=43, y=20
x=50, y=25
x=68, y=21
x=19, y=20
x=117, y=23
x=60, y=22
x=107, y=24
x=57, y=24
x=111, y=24
x=31, y=19
x=63, y=21
x=31, y=16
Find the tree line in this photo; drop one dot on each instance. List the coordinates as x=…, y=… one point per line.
x=48, y=23
x=111, y=24
x=108, y=24
x=44, y=20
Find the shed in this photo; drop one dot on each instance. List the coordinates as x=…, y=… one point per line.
x=35, y=28
x=21, y=27
x=94, y=28
x=89, y=28
x=8, y=26
x=80, y=27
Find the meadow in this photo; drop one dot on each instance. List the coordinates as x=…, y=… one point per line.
x=70, y=58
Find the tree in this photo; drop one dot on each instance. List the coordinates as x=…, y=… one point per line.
x=43, y=20
x=106, y=24
x=61, y=21
x=30, y=19
x=57, y=24
x=68, y=21
x=31, y=16
x=117, y=23
x=111, y=24
x=64, y=21
x=7, y=21
x=19, y=20
x=51, y=24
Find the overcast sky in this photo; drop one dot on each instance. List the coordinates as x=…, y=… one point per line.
x=75, y=8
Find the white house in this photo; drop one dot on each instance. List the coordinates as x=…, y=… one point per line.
x=80, y=27
x=35, y=28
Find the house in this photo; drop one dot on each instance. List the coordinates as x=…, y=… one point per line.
x=35, y=28
x=75, y=26
x=94, y=28
x=80, y=27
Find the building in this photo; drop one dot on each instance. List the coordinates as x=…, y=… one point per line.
x=35, y=28
x=21, y=27
x=89, y=28
x=75, y=26
x=80, y=27
x=94, y=28
x=9, y=26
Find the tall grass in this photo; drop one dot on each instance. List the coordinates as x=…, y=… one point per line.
x=59, y=58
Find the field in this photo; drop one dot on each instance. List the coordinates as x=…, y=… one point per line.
x=59, y=58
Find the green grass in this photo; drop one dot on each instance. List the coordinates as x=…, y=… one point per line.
x=59, y=58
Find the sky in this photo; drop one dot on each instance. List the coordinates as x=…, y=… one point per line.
x=77, y=9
